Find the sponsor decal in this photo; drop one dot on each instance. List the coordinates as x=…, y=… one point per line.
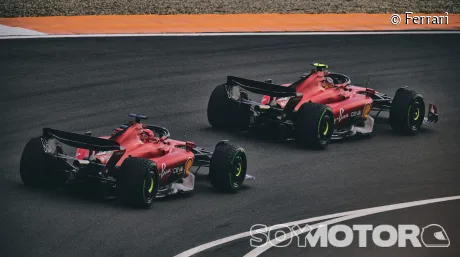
x=342, y=116
x=164, y=171
x=176, y=170
x=355, y=113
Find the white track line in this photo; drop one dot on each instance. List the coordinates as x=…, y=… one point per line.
x=333, y=218
x=422, y=32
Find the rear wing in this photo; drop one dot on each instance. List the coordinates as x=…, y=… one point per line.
x=81, y=141
x=259, y=87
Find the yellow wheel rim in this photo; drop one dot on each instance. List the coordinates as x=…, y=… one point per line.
x=238, y=170
x=152, y=183
x=417, y=114
x=326, y=129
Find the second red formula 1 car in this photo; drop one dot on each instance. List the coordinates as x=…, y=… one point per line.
x=138, y=162
x=320, y=106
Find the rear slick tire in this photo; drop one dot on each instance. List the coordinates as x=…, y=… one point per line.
x=137, y=182
x=314, y=126
x=224, y=113
x=38, y=169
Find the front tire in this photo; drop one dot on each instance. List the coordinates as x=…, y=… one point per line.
x=228, y=167
x=314, y=125
x=224, y=113
x=407, y=112
x=37, y=169
x=137, y=182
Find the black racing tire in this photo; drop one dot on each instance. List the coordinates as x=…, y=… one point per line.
x=137, y=182
x=37, y=169
x=407, y=112
x=227, y=170
x=314, y=125
x=223, y=113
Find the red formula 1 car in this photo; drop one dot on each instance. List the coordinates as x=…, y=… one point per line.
x=140, y=162
x=315, y=109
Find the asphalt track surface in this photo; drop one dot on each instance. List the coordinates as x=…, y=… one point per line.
x=93, y=83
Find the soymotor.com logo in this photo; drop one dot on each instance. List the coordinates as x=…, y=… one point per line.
x=408, y=235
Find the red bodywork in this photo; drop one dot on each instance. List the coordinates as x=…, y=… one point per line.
x=171, y=156
x=345, y=100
